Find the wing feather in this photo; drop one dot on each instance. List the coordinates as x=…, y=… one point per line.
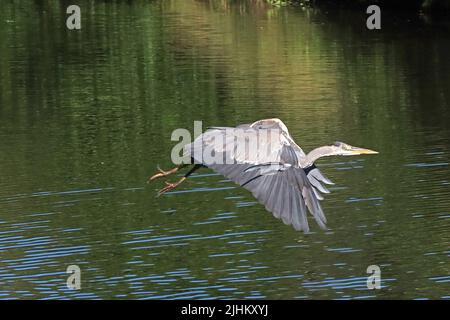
x=270, y=169
x=241, y=145
x=287, y=194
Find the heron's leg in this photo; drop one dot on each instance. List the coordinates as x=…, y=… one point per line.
x=170, y=186
x=163, y=173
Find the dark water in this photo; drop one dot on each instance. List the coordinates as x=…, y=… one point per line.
x=85, y=117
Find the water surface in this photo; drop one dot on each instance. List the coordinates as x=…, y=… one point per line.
x=85, y=117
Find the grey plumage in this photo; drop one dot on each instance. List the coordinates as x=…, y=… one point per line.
x=277, y=181
x=263, y=158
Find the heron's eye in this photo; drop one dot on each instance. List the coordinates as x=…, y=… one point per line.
x=342, y=145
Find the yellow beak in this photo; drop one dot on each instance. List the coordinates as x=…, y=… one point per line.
x=358, y=151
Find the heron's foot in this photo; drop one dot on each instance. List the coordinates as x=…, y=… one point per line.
x=161, y=173
x=169, y=186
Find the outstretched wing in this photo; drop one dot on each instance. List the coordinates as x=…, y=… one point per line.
x=263, y=158
x=287, y=192
x=282, y=188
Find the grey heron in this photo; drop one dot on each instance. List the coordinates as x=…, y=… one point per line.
x=271, y=166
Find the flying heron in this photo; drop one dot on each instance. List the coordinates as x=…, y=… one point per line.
x=263, y=158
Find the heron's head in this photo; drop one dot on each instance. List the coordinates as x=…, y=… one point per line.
x=343, y=149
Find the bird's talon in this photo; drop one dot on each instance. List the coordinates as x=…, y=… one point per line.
x=169, y=186
x=161, y=173
x=164, y=173
x=155, y=176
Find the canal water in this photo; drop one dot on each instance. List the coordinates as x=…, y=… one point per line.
x=87, y=115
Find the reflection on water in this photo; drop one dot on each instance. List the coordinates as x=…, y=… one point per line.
x=86, y=116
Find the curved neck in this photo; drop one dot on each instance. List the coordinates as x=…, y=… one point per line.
x=315, y=154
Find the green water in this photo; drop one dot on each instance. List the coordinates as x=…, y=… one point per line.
x=85, y=117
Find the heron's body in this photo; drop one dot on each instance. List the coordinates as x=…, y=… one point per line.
x=263, y=158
